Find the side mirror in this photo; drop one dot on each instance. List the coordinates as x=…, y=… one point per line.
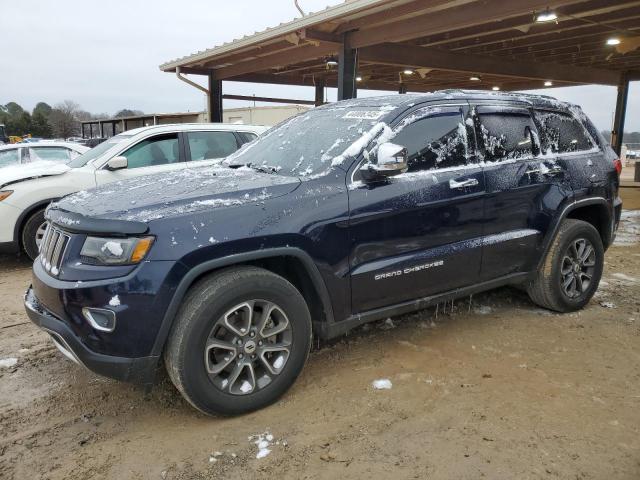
x=117, y=163
x=391, y=160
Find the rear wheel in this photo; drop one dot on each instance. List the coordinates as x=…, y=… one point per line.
x=572, y=269
x=239, y=341
x=32, y=233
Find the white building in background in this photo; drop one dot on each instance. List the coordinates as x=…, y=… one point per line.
x=268, y=116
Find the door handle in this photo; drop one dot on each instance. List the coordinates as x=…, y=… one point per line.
x=469, y=182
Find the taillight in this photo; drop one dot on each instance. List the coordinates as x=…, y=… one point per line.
x=618, y=166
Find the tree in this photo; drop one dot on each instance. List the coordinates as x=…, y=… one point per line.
x=125, y=112
x=15, y=119
x=42, y=108
x=40, y=126
x=64, y=119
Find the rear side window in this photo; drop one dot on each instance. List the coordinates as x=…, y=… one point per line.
x=505, y=134
x=435, y=141
x=561, y=132
x=247, y=137
x=9, y=157
x=52, y=154
x=208, y=145
x=158, y=150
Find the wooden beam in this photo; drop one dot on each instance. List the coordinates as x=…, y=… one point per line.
x=280, y=59
x=450, y=19
x=252, y=98
x=214, y=100
x=406, y=55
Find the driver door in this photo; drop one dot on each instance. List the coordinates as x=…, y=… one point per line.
x=417, y=234
x=155, y=154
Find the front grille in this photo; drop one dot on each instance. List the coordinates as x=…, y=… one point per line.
x=52, y=248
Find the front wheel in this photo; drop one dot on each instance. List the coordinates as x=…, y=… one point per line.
x=572, y=269
x=240, y=340
x=33, y=233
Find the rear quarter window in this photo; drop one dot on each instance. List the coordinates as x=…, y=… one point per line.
x=561, y=132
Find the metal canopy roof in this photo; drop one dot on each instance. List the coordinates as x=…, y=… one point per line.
x=444, y=42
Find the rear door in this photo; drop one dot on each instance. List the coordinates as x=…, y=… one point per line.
x=417, y=234
x=523, y=188
x=154, y=154
x=564, y=138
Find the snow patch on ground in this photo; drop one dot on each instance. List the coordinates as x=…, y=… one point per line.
x=622, y=276
x=263, y=441
x=382, y=384
x=482, y=310
x=115, y=301
x=629, y=229
x=8, y=362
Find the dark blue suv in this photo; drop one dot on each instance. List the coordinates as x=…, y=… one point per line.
x=346, y=214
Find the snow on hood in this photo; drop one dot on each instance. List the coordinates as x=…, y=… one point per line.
x=26, y=171
x=167, y=194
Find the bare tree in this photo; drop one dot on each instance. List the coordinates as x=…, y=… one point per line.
x=64, y=119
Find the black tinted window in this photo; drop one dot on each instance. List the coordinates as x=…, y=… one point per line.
x=561, y=132
x=505, y=135
x=436, y=141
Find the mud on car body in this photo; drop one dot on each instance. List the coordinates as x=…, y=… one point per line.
x=348, y=213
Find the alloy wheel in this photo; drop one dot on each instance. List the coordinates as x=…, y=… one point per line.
x=40, y=234
x=248, y=347
x=578, y=267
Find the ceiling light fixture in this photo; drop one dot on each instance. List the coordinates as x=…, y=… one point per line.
x=546, y=16
x=548, y=83
x=358, y=79
x=332, y=62
x=495, y=89
x=474, y=78
x=613, y=41
x=408, y=72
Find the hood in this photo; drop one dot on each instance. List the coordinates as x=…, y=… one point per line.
x=168, y=194
x=27, y=171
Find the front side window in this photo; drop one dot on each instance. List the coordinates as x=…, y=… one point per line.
x=505, y=134
x=154, y=151
x=561, y=132
x=208, y=145
x=9, y=157
x=51, y=154
x=435, y=141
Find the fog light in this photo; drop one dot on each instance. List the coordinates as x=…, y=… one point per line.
x=100, y=319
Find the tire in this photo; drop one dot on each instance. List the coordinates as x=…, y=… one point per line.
x=214, y=314
x=30, y=231
x=555, y=285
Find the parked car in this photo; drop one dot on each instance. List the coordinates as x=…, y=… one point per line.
x=348, y=213
x=58, y=152
x=26, y=192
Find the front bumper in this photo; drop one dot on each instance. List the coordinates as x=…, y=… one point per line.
x=138, y=370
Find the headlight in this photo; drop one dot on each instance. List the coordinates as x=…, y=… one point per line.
x=4, y=194
x=115, y=251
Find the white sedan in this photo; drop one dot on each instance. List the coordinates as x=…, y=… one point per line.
x=20, y=153
x=26, y=190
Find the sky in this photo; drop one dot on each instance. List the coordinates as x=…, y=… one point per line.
x=105, y=56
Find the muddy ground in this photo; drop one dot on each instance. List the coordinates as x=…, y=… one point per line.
x=497, y=389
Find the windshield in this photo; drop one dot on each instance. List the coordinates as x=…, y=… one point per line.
x=306, y=145
x=95, y=152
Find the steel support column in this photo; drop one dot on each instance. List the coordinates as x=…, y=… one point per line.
x=214, y=107
x=82, y=129
x=347, y=66
x=621, y=113
x=320, y=84
x=402, y=88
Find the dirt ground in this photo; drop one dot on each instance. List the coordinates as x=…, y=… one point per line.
x=496, y=389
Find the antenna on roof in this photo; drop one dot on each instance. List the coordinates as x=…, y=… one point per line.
x=298, y=7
